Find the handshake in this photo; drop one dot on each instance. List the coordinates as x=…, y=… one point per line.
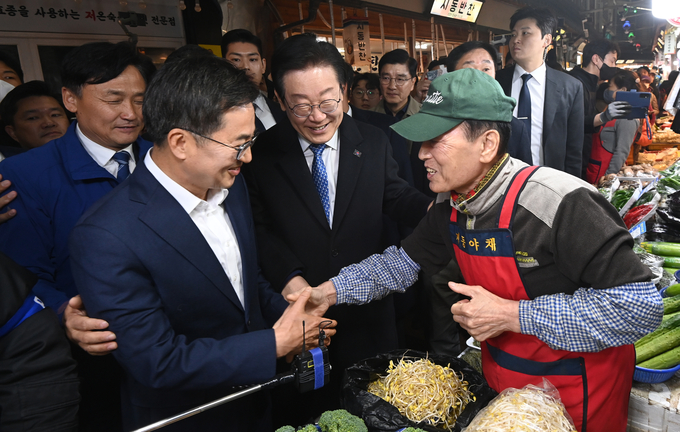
x=306, y=304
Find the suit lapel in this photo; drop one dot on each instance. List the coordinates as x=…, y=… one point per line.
x=293, y=165
x=504, y=78
x=350, y=165
x=239, y=220
x=167, y=218
x=553, y=94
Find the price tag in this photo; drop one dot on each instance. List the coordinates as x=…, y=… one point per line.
x=638, y=229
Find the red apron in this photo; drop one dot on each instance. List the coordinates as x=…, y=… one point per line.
x=599, y=157
x=594, y=387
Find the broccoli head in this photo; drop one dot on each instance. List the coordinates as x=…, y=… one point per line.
x=341, y=421
x=309, y=428
x=286, y=429
x=412, y=429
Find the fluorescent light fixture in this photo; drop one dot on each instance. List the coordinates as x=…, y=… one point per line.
x=630, y=61
x=666, y=9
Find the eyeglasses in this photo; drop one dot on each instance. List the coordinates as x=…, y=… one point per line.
x=305, y=110
x=241, y=149
x=400, y=81
x=370, y=93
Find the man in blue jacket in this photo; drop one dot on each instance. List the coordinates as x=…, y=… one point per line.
x=104, y=86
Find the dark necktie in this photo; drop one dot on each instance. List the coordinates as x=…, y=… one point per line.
x=524, y=104
x=321, y=178
x=123, y=159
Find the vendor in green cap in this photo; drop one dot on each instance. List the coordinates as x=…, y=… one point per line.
x=552, y=286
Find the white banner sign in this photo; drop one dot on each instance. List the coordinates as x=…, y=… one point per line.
x=90, y=16
x=670, y=44
x=464, y=10
x=357, y=41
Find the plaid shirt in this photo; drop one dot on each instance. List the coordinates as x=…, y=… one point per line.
x=590, y=320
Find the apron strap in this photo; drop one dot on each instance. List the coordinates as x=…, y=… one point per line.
x=512, y=195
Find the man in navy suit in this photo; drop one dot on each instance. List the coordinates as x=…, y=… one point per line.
x=244, y=50
x=54, y=184
x=169, y=260
x=549, y=102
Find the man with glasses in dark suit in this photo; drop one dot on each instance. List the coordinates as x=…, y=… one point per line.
x=319, y=184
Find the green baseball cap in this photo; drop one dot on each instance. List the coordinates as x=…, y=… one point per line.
x=466, y=94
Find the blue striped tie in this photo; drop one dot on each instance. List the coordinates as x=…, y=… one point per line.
x=321, y=178
x=123, y=159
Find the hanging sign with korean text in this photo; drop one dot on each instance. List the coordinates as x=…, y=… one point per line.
x=464, y=10
x=357, y=41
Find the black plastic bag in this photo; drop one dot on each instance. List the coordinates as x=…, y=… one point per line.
x=381, y=416
x=660, y=231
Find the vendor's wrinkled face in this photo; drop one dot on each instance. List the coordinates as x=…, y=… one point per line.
x=453, y=163
x=319, y=87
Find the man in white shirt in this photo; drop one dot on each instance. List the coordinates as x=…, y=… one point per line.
x=548, y=101
x=169, y=260
x=244, y=50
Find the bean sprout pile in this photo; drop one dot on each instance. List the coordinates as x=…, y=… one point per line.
x=424, y=391
x=525, y=410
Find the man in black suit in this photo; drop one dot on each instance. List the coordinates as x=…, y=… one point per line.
x=548, y=101
x=244, y=50
x=319, y=183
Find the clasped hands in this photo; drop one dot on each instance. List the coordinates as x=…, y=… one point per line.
x=484, y=315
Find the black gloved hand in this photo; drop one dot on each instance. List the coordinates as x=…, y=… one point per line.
x=616, y=110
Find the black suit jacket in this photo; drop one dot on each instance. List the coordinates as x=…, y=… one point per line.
x=562, y=119
x=399, y=144
x=294, y=236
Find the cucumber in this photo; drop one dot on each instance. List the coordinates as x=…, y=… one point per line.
x=669, y=316
x=671, y=261
x=671, y=304
x=673, y=290
x=665, y=360
x=662, y=248
x=658, y=345
x=666, y=326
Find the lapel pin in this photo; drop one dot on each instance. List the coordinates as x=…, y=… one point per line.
x=357, y=153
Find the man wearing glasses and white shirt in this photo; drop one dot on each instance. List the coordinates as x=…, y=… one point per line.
x=319, y=184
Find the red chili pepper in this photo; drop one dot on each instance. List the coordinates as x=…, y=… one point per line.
x=636, y=214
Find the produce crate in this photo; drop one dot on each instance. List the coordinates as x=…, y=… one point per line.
x=653, y=376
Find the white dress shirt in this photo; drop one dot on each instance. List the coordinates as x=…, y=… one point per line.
x=331, y=159
x=213, y=222
x=104, y=156
x=263, y=112
x=349, y=110
x=537, y=91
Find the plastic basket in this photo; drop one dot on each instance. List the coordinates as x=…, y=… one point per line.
x=677, y=275
x=653, y=376
x=662, y=291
